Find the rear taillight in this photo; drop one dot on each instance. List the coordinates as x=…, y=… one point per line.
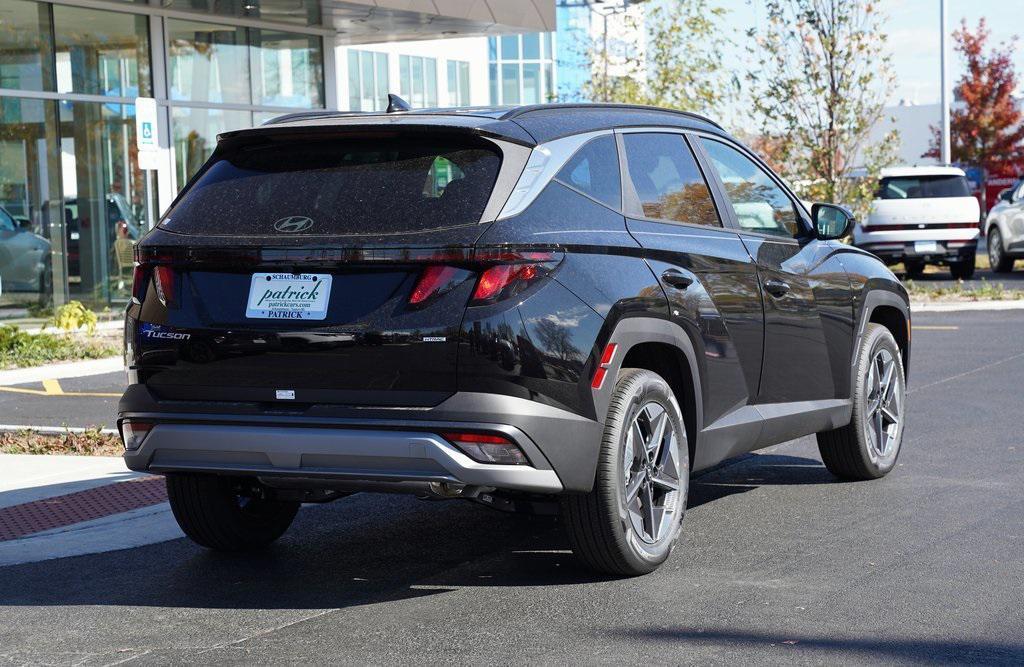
x=163, y=280
x=133, y=432
x=487, y=447
x=515, y=273
x=434, y=280
x=139, y=282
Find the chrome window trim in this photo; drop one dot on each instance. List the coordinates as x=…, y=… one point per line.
x=544, y=163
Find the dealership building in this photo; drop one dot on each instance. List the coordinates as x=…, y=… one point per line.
x=78, y=182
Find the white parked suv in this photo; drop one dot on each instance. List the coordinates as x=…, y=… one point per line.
x=1004, y=229
x=923, y=215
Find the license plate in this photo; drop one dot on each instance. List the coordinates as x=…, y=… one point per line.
x=288, y=296
x=926, y=246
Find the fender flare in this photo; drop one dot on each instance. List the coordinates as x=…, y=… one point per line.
x=632, y=331
x=872, y=300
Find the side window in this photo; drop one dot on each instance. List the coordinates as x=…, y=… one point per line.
x=594, y=170
x=667, y=179
x=760, y=205
x=1019, y=194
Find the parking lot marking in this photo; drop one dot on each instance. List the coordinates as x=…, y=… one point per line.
x=935, y=327
x=53, y=387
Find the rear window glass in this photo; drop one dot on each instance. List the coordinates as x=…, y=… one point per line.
x=342, y=187
x=923, y=187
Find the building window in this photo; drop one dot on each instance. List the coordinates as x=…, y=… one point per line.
x=101, y=53
x=26, y=51
x=418, y=80
x=458, y=83
x=522, y=69
x=367, y=80
x=216, y=63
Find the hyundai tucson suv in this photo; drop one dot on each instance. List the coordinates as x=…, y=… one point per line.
x=921, y=216
x=568, y=307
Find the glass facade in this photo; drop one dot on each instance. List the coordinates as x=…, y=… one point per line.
x=367, y=80
x=458, y=83
x=73, y=198
x=418, y=80
x=522, y=68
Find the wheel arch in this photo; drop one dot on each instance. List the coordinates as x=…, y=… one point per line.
x=663, y=347
x=892, y=312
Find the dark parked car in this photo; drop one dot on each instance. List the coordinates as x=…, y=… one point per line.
x=568, y=306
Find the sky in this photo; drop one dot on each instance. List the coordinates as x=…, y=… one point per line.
x=913, y=29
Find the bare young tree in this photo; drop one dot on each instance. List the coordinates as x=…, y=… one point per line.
x=821, y=78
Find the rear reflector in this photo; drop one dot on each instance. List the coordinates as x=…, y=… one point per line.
x=602, y=370
x=487, y=447
x=134, y=432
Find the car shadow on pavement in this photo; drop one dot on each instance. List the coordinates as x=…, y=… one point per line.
x=814, y=648
x=364, y=549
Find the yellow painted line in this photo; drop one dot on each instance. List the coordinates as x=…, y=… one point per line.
x=53, y=387
x=61, y=393
x=935, y=327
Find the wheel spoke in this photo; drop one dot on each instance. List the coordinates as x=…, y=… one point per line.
x=639, y=446
x=890, y=415
x=654, y=445
x=634, y=487
x=665, y=482
x=647, y=510
x=880, y=433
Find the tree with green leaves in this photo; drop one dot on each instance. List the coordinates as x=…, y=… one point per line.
x=679, y=65
x=821, y=76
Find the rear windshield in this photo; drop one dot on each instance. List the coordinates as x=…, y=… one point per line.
x=923, y=187
x=340, y=187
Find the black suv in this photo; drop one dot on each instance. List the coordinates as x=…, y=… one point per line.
x=556, y=306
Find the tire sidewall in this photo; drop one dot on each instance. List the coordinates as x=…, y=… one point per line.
x=643, y=387
x=878, y=337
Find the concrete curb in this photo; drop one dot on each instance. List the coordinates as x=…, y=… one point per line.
x=51, y=430
x=951, y=306
x=61, y=371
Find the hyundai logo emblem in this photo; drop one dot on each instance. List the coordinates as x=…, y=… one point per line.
x=293, y=224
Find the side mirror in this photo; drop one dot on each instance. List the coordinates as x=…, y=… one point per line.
x=831, y=221
x=1006, y=195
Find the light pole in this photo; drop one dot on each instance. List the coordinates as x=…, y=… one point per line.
x=944, y=98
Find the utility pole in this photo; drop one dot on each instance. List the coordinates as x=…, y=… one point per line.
x=944, y=100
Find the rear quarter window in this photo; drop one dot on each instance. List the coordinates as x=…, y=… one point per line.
x=346, y=187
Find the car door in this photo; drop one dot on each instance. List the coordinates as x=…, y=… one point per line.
x=703, y=267
x=806, y=293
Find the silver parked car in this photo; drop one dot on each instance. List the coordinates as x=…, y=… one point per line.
x=24, y=259
x=1004, y=229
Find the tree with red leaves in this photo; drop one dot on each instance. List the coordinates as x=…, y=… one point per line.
x=986, y=131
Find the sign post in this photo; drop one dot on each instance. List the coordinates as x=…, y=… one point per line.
x=147, y=140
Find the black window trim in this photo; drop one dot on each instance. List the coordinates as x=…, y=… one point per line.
x=802, y=216
x=631, y=206
x=622, y=195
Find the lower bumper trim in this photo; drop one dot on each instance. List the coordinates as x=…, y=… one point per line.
x=332, y=453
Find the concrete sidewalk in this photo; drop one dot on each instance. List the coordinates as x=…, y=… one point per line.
x=60, y=506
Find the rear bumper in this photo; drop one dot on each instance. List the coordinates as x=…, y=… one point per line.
x=893, y=247
x=386, y=445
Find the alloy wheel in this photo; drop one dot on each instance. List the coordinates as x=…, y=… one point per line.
x=995, y=248
x=651, y=473
x=884, y=412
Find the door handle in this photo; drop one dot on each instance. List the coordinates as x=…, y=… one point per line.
x=676, y=279
x=776, y=288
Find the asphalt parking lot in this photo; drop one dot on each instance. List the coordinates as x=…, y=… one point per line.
x=778, y=562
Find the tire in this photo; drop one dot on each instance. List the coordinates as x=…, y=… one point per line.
x=963, y=270
x=913, y=269
x=212, y=514
x=607, y=533
x=997, y=257
x=854, y=451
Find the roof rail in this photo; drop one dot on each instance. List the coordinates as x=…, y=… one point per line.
x=520, y=111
